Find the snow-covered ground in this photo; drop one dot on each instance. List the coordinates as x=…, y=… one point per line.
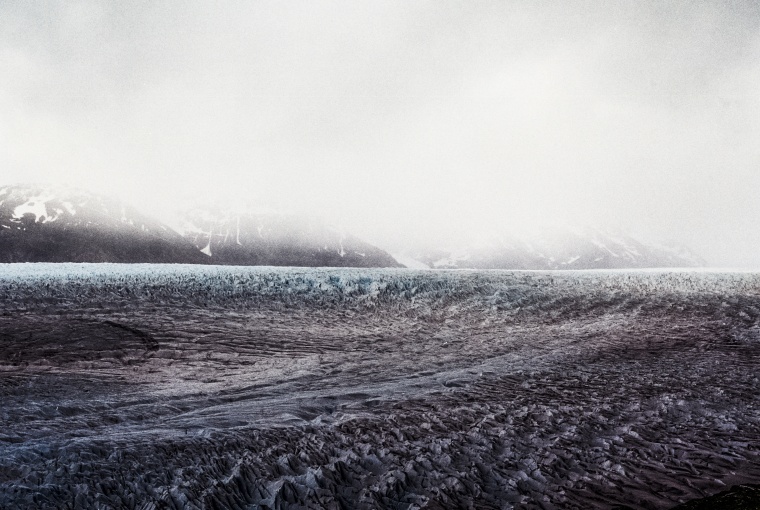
x=150, y=386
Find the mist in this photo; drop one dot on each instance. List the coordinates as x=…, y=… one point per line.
x=400, y=120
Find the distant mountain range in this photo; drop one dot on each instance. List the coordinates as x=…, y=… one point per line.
x=555, y=248
x=59, y=224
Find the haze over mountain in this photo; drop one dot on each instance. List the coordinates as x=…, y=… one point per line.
x=410, y=120
x=247, y=237
x=60, y=224
x=557, y=247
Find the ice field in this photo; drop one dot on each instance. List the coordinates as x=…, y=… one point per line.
x=159, y=386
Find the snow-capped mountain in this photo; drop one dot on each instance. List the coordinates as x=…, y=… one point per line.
x=243, y=237
x=556, y=248
x=58, y=224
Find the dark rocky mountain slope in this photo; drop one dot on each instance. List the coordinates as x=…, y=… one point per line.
x=254, y=238
x=58, y=224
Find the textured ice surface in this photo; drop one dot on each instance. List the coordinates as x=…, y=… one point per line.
x=141, y=386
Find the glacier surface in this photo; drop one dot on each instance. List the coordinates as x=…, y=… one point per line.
x=180, y=386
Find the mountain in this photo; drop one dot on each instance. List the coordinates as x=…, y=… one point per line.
x=242, y=237
x=556, y=248
x=58, y=224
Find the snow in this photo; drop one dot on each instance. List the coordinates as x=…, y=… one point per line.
x=35, y=206
x=630, y=250
x=603, y=246
x=409, y=262
x=40, y=206
x=453, y=260
x=69, y=207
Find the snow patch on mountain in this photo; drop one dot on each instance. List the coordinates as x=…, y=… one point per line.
x=409, y=262
x=63, y=224
x=35, y=207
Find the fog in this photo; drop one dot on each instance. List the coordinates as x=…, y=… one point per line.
x=400, y=120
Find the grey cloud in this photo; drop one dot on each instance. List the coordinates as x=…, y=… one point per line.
x=400, y=120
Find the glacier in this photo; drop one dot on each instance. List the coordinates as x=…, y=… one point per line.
x=185, y=386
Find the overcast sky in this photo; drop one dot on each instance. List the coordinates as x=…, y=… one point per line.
x=400, y=120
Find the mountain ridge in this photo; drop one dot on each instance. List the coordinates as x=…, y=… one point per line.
x=235, y=237
x=556, y=248
x=42, y=223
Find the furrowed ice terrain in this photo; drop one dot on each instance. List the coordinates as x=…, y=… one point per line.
x=148, y=386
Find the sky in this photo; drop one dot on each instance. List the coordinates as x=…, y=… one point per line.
x=400, y=121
